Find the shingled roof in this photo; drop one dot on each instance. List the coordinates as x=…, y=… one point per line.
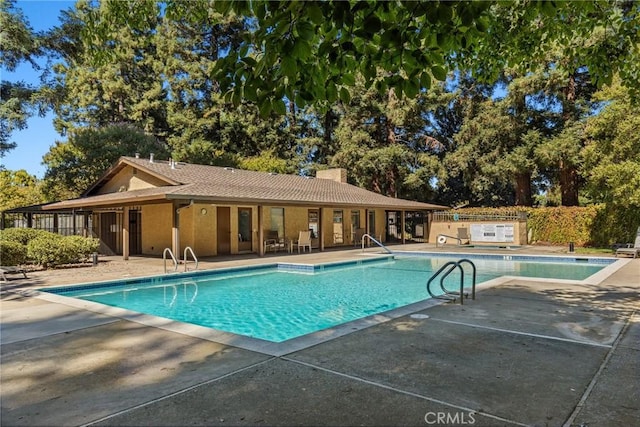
x=186, y=181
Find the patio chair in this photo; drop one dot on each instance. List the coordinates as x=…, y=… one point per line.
x=463, y=235
x=12, y=270
x=273, y=242
x=304, y=240
x=634, y=250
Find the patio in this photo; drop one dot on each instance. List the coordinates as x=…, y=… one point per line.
x=523, y=353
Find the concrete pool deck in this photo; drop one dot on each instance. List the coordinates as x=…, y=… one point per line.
x=524, y=352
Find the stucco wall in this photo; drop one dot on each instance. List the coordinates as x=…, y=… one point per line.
x=295, y=220
x=127, y=180
x=198, y=229
x=451, y=229
x=156, y=228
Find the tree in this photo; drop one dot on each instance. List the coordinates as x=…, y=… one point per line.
x=126, y=90
x=311, y=52
x=494, y=156
x=266, y=162
x=18, y=44
x=576, y=46
x=187, y=51
x=15, y=109
x=611, y=165
x=600, y=36
x=74, y=165
x=612, y=151
x=18, y=188
x=378, y=139
x=443, y=110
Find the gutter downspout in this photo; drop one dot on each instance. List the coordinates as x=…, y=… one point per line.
x=175, y=230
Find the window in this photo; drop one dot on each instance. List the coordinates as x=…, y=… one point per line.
x=355, y=219
x=313, y=223
x=338, y=232
x=277, y=221
x=372, y=223
x=244, y=224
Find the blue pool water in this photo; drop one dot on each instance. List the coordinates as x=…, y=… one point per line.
x=280, y=302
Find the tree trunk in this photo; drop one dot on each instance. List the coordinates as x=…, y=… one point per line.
x=375, y=183
x=325, y=149
x=568, y=184
x=568, y=171
x=523, y=189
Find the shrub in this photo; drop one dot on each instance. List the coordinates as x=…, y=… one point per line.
x=12, y=253
x=55, y=250
x=22, y=235
x=82, y=247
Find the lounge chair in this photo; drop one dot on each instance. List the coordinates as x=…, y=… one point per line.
x=12, y=270
x=634, y=250
x=304, y=240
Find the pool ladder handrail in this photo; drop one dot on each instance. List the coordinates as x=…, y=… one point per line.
x=452, y=266
x=195, y=291
x=193, y=255
x=174, y=297
x=374, y=241
x=173, y=258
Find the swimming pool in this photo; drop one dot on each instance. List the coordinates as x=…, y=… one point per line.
x=278, y=302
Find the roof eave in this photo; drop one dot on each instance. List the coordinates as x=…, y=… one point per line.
x=88, y=203
x=284, y=202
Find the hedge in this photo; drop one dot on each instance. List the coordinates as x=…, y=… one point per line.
x=560, y=225
x=22, y=235
x=48, y=251
x=12, y=253
x=19, y=245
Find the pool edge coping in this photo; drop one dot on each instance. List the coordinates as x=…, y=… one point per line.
x=302, y=342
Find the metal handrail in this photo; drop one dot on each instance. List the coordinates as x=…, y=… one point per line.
x=193, y=255
x=452, y=266
x=376, y=242
x=164, y=259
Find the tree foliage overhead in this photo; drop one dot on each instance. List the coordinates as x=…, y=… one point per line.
x=311, y=52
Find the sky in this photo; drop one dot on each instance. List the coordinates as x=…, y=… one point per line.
x=34, y=141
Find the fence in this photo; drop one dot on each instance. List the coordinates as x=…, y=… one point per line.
x=450, y=216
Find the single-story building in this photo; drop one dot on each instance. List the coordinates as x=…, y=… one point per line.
x=142, y=206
